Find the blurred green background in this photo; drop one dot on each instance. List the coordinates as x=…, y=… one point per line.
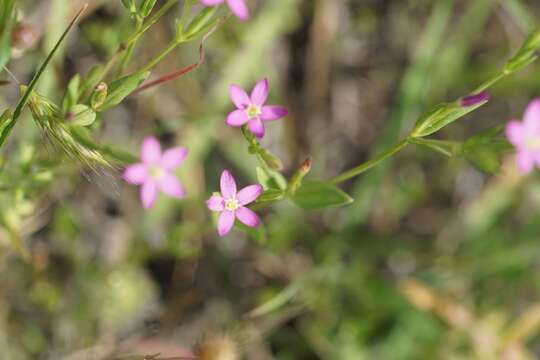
x=434, y=259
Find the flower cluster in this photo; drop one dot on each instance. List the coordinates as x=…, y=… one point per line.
x=154, y=173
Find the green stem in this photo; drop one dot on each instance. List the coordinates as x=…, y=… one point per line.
x=172, y=45
x=131, y=40
x=370, y=163
x=130, y=49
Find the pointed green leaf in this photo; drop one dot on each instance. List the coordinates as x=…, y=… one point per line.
x=71, y=97
x=485, y=150
x=447, y=148
x=200, y=24
x=319, y=194
x=7, y=20
x=271, y=195
x=121, y=88
x=82, y=115
x=441, y=116
x=146, y=7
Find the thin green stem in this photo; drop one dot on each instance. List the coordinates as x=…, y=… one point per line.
x=131, y=40
x=370, y=163
x=172, y=45
x=130, y=49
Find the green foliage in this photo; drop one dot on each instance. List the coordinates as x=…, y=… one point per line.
x=440, y=117
x=7, y=21
x=485, y=150
x=314, y=195
x=119, y=89
x=202, y=22
x=417, y=276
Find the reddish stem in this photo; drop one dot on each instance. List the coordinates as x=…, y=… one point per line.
x=184, y=70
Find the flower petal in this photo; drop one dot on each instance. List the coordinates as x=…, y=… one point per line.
x=247, y=217
x=525, y=162
x=136, y=174
x=225, y=222
x=169, y=185
x=272, y=112
x=259, y=94
x=515, y=133
x=239, y=97
x=257, y=127
x=211, y=2
x=239, y=8
x=215, y=203
x=531, y=118
x=237, y=118
x=227, y=185
x=150, y=150
x=173, y=157
x=249, y=194
x=148, y=194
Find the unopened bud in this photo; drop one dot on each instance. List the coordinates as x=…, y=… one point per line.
x=297, y=178
x=99, y=95
x=474, y=99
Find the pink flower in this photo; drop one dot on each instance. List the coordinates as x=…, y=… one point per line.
x=251, y=109
x=231, y=204
x=238, y=7
x=525, y=136
x=154, y=172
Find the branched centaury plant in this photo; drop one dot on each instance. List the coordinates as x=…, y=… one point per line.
x=69, y=125
x=320, y=194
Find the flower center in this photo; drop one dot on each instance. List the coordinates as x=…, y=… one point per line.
x=533, y=143
x=253, y=111
x=231, y=204
x=156, y=172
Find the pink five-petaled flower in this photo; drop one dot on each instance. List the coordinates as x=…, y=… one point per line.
x=238, y=7
x=252, y=109
x=154, y=172
x=525, y=136
x=232, y=204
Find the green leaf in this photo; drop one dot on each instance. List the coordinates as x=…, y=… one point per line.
x=447, y=148
x=319, y=194
x=92, y=78
x=83, y=115
x=441, y=116
x=7, y=20
x=271, y=195
x=485, y=150
x=5, y=120
x=71, y=97
x=121, y=88
x=199, y=25
x=146, y=7
x=526, y=54
x=129, y=5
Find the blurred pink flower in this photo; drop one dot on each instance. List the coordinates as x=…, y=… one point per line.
x=238, y=7
x=231, y=204
x=154, y=172
x=525, y=136
x=252, y=109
